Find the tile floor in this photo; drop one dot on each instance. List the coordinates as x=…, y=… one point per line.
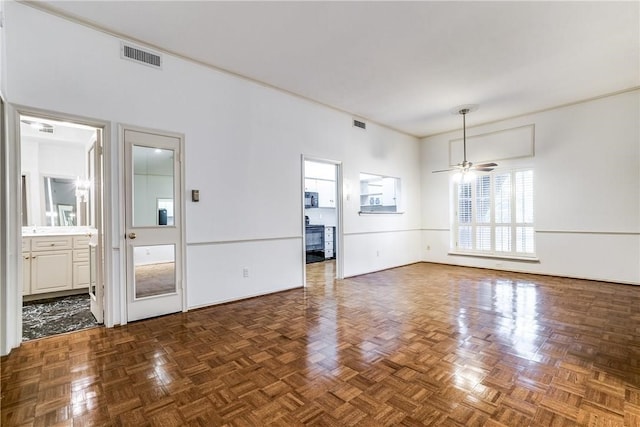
x=54, y=316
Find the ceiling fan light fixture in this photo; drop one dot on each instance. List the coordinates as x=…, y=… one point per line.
x=465, y=169
x=464, y=176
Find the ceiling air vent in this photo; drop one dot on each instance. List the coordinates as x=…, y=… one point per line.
x=359, y=124
x=40, y=127
x=134, y=53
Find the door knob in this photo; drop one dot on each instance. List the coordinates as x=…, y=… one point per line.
x=132, y=235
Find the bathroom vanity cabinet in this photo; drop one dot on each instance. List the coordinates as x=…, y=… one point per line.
x=55, y=263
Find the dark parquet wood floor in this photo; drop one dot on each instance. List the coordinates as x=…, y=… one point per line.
x=419, y=345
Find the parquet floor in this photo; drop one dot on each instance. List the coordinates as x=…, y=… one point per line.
x=424, y=344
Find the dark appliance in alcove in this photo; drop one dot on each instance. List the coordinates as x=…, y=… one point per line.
x=314, y=243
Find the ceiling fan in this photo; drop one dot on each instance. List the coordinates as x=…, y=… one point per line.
x=466, y=166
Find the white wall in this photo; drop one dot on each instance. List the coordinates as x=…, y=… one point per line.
x=46, y=158
x=391, y=236
x=237, y=134
x=587, y=191
x=145, y=255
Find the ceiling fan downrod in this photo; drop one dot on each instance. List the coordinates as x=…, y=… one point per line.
x=467, y=166
x=464, y=112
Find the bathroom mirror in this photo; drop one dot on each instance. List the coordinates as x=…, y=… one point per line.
x=59, y=201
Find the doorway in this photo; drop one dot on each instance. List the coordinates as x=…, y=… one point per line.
x=153, y=223
x=322, y=214
x=62, y=225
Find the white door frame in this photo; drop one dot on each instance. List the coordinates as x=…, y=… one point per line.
x=339, y=249
x=11, y=323
x=122, y=229
x=95, y=157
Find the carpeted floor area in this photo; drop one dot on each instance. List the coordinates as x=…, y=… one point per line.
x=54, y=316
x=155, y=279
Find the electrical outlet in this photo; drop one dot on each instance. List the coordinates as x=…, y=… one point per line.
x=377, y=253
x=428, y=247
x=245, y=272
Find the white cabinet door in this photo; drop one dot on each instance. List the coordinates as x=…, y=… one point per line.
x=311, y=185
x=80, y=275
x=51, y=271
x=81, y=262
x=389, y=192
x=326, y=194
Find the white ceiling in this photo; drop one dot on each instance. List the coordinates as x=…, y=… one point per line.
x=401, y=64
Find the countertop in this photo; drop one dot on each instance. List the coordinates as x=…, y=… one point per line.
x=58, y=231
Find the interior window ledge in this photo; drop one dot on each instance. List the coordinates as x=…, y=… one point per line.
x=532, y=259
x=379, y=213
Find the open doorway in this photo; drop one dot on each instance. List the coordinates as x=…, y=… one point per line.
x=321, y=216
x=61, y=207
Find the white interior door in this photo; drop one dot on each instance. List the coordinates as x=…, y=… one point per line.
x=96, y=253
x=153, y=229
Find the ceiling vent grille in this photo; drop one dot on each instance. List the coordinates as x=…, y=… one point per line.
x=141, y=56
x=39, y=126
x=359, y=124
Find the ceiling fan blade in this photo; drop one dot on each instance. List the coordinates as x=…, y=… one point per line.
x=486, y=165
x=479, y=169
x=444, y=170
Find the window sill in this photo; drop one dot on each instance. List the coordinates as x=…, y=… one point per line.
x=380, y=213
x=532, y=259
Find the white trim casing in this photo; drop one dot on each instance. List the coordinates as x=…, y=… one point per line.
x=339, y=215
x=122, y=215
x=11, y=325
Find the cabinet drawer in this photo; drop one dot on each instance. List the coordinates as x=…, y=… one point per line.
x=81, y=242
x=51, y=243
x=81, y=255
x=26, y=244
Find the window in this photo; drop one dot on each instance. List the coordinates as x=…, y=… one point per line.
x=379, y=194
x=494, y=214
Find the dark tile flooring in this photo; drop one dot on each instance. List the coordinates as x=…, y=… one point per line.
x=54, y=316
x=314, y=256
